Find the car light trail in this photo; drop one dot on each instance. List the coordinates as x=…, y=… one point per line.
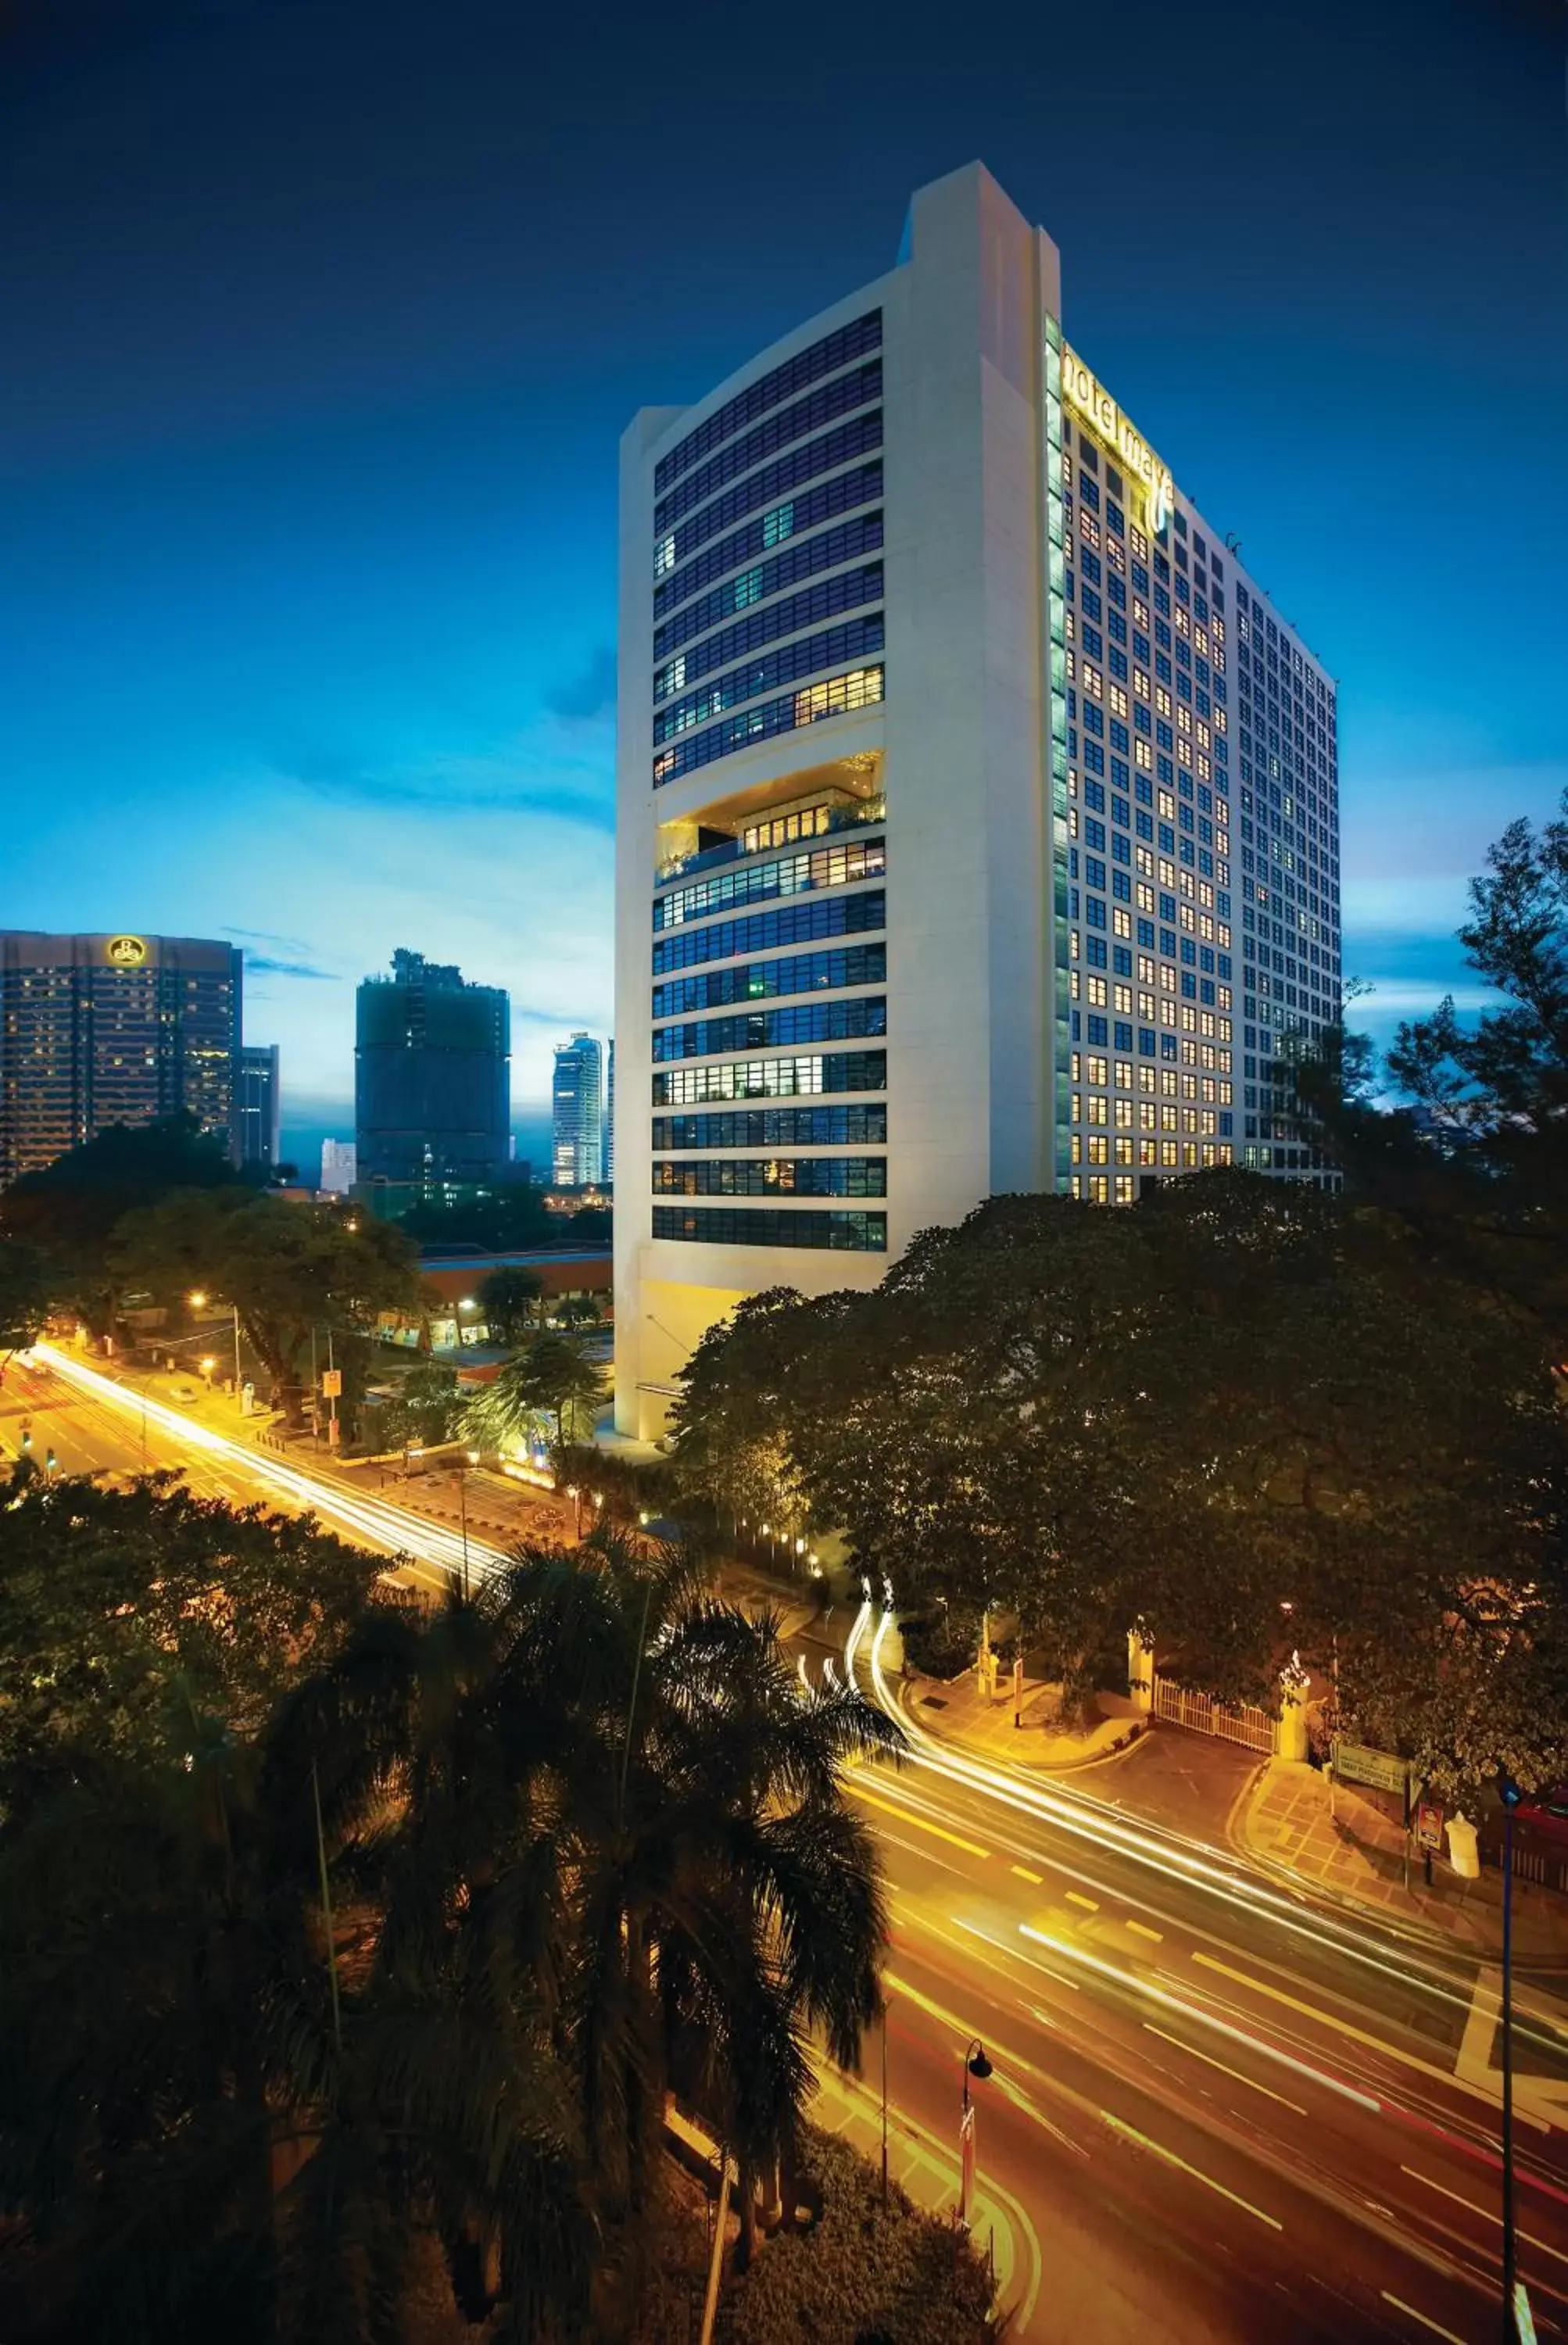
x=383, y=1524
x=1190, y=1864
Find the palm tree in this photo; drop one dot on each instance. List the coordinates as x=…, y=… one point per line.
x=228, y=2103
x=552, y=1378
x=620, y=1813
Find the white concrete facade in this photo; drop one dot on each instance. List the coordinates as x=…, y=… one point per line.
x=960, y=768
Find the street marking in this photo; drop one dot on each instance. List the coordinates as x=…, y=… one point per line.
x=1209, y=2061
x=1025, y=1874
x=1090, y=1904
x=1484, y=2212
x=1356, y=2035
x=905, y=1816
x=1144, y=1930
x=1159, y=2149
x=1435, y=2326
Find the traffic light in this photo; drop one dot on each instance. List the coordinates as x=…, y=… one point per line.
x=50, y=1461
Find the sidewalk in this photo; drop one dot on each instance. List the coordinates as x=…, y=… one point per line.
x=955, y=1710
x=1358, y=1854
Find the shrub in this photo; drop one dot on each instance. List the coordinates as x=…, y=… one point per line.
x=862, y=2270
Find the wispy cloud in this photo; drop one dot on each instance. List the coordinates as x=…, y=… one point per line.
x=591, y=692
x=258, y=963
x=559, y=765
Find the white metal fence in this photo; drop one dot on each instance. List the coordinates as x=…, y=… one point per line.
x=1201, y=1715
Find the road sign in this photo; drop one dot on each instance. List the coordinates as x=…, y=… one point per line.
x=332, y=1383
x=1357, y=1762
x=1428, y=1824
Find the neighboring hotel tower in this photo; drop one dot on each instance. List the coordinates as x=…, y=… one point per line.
x=97, y=1031
x=977, y=818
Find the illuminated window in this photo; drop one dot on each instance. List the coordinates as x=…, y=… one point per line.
x=1098, y=1112
x=1091, y=683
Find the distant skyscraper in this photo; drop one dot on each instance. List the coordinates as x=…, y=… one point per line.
x=98, y=1030
x=577, y=1096
x=337, y=1165
x=260, y=1106
x=431, y=1076
x=610, y=1117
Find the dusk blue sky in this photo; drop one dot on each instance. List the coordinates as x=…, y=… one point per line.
x=321, y=322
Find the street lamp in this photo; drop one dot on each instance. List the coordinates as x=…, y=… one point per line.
x=467, y=1304
x=1512, y=2328
x=573, y=1490
x=198, y=1302
x=976, y=2064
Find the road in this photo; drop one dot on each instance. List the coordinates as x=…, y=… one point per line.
x=1218, y=2110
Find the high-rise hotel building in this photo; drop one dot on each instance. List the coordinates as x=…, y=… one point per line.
x=977, y=816
x=98, y=1030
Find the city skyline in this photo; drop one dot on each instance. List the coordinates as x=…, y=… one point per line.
x=395, y=452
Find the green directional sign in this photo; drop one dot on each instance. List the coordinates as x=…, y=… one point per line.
x=1357, y=1762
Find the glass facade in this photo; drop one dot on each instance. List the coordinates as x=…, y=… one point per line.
x=98, y=1030
x=432, y=1090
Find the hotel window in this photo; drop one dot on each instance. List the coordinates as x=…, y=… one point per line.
x=785, y=828
x=1097, y=1110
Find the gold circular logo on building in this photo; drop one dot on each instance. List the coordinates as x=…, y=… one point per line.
x=127, y=952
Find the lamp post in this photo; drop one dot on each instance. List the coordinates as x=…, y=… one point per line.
x=467, y=1304
x=976, y=2064
x=1508, y=1791
x=885, y=2110
x=198, y=1302
x=462, y=1518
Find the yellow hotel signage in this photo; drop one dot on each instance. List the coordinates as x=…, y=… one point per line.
x=1099, y=409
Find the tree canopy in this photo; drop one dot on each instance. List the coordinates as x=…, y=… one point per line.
x=287, y=1268
x=1241, y=1414
x=512, y=1302
x=551, y=1384
x=128, y=1616
x=70, y=1210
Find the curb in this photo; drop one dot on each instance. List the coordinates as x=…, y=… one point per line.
x=1136, y=1729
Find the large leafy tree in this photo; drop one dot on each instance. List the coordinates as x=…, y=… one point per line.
x=25, y=1295
x=70, y=1210
x=1461, y=1139
x=512, y=1300
x=425, y=1408
x=124, y=1610
x=291, y=1270
x=1243, y=1414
